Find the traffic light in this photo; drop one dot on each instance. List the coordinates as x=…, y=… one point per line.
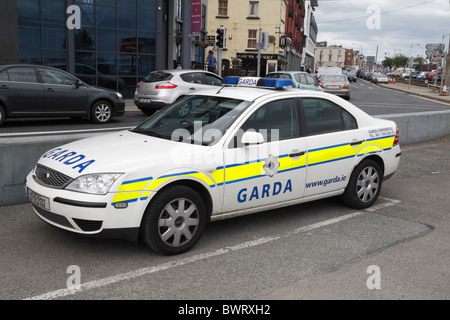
x=219, y=38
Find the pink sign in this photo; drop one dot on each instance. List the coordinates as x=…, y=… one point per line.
x=196, y=19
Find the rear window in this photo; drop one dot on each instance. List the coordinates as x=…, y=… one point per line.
x=157, y=76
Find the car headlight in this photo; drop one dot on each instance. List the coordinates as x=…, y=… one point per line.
x=95, y=183
x=119, y=95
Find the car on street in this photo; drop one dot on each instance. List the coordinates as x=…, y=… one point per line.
x=40, y=91
x=164, y=87
x=380, y=78
x=336, y=84
x=302, y=80
x=351, y=76
x=360, y=72
x=238, y=150
x=422, y=75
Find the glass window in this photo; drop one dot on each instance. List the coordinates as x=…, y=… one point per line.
x=33, y=56
x=106, y=40
x=85, y=39
x=22, y=74
x=349, y=120
x=127, y=41
x=55, y=58
x=147, y=42
x=310, y=80
x=223, y=8
x=106, y=17
x=275, y=120
x=85, y=63
x=300, y=77
x=87, y=13
x=321, y=116
x=253, y=9
x=146, y=21
x=251, y=40
x=106, y=63
x=56, y=77
x=54, y=36
x=213, y=80
x=194, y=77
x=146, y=64
x=127, y=3
x=146, y=4
x=28, y=10
x=53, y=11
x=4, y=76
x=106, y=2
x=127, y=19
x=29, y=34
x=127, y=64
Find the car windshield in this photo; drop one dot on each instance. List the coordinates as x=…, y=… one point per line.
x=157, y=76
x=331, y=78
x=195, y=119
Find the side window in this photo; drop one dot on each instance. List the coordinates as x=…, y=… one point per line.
x=310, y=80
x=194, y=77
x=22, y=74
x=300, y=78
x=4, y=76
x=276, y=120
x=55, y=77
x=212, y=80
x=349, y=120
x=323, y=116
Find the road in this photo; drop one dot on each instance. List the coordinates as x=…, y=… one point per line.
x=372, y=99
x=398, y=249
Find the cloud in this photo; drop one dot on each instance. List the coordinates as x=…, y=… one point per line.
x=392, y=26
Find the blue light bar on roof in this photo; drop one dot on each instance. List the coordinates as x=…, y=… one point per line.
x=258, y=82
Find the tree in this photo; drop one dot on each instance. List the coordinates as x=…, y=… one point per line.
x=419, y=61
x=400, y=60
x=388, y=63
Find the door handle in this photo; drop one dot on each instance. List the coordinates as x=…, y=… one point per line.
x=50, y=89
x=192, y=88
x=4, y=87
x=296, y=154
x=355, y=143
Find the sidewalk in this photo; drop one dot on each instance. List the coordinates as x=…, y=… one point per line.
x=418, y=91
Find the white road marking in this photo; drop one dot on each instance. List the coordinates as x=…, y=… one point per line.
x=202, y=256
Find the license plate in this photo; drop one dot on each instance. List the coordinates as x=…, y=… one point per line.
x=38, y=200
x=144, y=100
x=332, y=87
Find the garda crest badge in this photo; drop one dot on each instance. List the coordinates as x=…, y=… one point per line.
x=271, y=166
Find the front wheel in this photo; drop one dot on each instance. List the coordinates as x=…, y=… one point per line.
x=101, y=112
x=364, y=185
x=2, y=115
x=174, y=221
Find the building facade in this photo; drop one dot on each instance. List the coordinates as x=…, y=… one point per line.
x=310, y=36
x=109, y=43
x=243, y=22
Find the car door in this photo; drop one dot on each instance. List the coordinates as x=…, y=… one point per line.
x=270, y=172
x=62, y=94
x=333, y=142
x=193, y=81
x=21, y=91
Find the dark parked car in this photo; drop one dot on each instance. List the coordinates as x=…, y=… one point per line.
x=351, y=76
x=40, y=91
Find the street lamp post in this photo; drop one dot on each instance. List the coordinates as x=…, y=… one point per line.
x=411, y=63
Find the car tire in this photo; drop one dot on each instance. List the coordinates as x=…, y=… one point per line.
x=2, y=115
x=364, y=185
x=101, y=112
x=168, y=231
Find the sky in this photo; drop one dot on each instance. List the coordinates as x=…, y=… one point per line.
x=395, y=26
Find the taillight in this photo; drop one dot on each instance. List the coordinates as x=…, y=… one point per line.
x=345, y=86
x=397, y=137
x=137, y=86
x=321, y=85
x=166, y=85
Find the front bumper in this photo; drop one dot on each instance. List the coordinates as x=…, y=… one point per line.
x=90, y=215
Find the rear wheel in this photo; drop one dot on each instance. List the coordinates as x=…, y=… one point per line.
x=364, y=185
x=101, y=112
x=174, y=221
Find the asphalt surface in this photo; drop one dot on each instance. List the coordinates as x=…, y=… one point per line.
x=318, y=250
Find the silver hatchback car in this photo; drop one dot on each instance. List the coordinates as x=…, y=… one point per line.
x=161, y=88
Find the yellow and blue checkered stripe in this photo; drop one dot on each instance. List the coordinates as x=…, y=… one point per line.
x=140, y=189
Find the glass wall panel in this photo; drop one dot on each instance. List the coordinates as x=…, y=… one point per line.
x=106, y=40
x=127, y=3
x=55, y=58
x=53, y=11
x=146, y=21
x=127, y=41
x=29, y=34
x=28, y=10
x=127, y=19
x=33, y=56
x=146, y=4
x=147, y=42
x=84, y=39
x=54, y=36
x=106, y=17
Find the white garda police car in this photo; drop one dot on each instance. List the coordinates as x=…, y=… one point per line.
x=216, y=154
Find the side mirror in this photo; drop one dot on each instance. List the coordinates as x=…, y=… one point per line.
x=252, y=137
x=77, y=84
